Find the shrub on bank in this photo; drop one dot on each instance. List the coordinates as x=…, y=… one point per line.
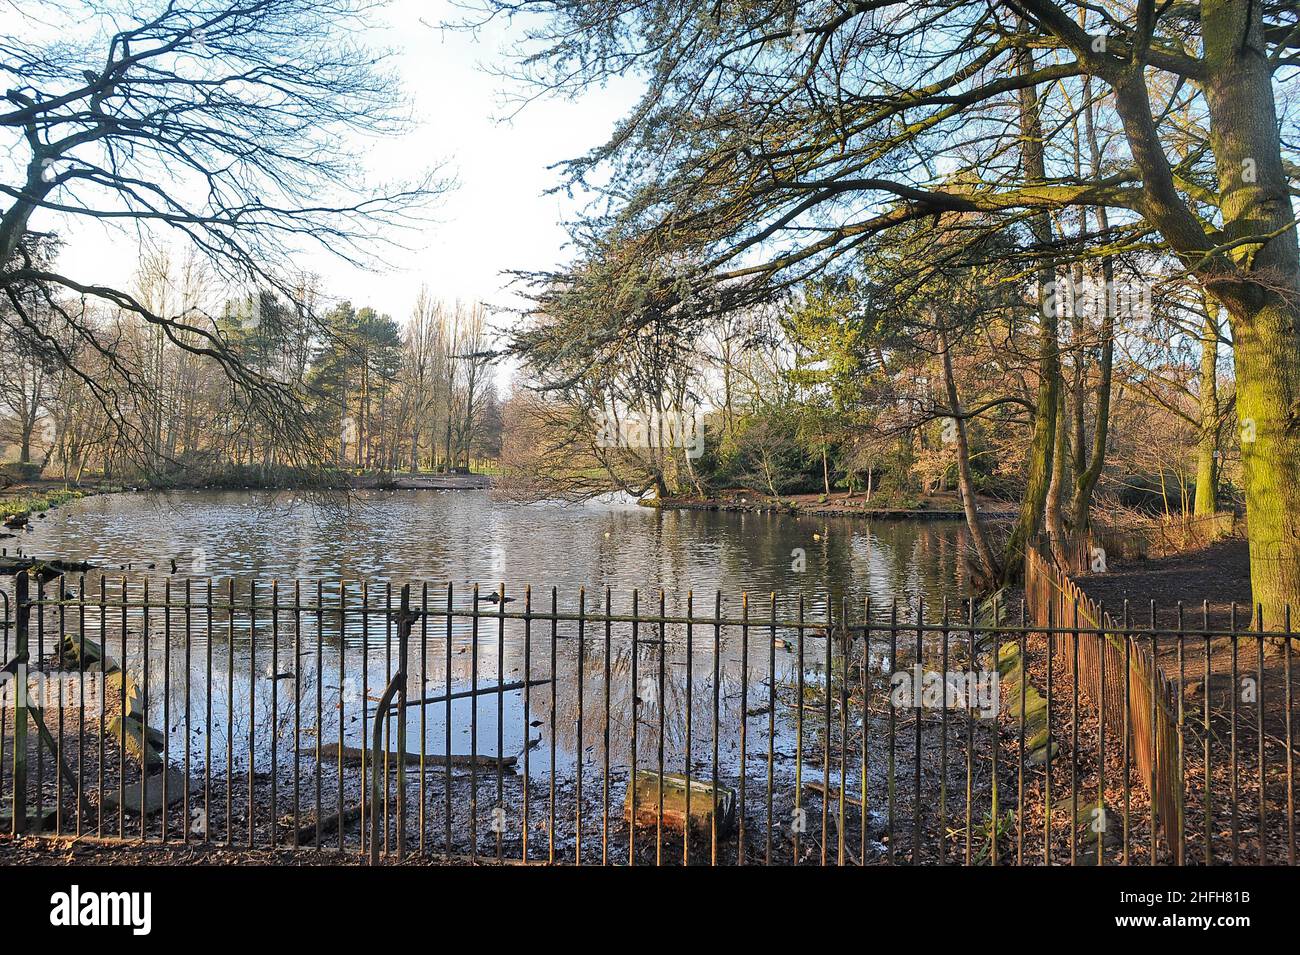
x=20, y=471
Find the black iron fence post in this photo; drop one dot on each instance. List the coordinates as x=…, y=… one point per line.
x=23, y=612
x=396, y=687
x=405, y=621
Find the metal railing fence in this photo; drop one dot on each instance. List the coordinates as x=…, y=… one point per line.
x=491, y=726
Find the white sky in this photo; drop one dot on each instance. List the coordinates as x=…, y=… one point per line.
x=498, y=218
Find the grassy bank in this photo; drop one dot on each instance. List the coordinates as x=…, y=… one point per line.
x=27, y=502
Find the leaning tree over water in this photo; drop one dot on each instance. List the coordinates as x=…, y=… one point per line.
x=775, y=140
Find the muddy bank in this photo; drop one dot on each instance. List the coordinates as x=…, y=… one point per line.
x=70, y=850
x=242, y=815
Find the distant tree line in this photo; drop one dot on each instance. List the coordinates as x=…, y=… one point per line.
x=226, y=130
x=375, y=394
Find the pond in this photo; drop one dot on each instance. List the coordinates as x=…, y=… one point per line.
x=466, y=537
x=597, y=694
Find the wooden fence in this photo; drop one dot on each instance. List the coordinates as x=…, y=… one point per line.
x=1111, y=661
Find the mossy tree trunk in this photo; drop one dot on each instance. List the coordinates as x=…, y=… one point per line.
x=1038, y=466
x=1261, y=295
x=1251, y=265
x=1268, y=406
x=1207, y=443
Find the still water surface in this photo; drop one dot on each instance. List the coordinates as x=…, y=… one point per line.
x=462, y=538
x=465, y=537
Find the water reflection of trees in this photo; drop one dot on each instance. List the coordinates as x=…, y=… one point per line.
x=327, y=627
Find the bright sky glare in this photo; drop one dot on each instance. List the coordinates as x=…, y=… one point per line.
x=498, y=218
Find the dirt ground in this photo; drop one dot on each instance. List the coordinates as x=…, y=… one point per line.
x=1207, y=581
x=72, y=851
x=1230, y=707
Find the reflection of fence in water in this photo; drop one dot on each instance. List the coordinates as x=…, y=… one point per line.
x=206, y=651
x=281, y=673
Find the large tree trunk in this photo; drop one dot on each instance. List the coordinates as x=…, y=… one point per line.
x=1207, y=444
x=1038, y=467
x=1052, y=515
x=1268, y=404
x=1263, y=308
x=1252, y=267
